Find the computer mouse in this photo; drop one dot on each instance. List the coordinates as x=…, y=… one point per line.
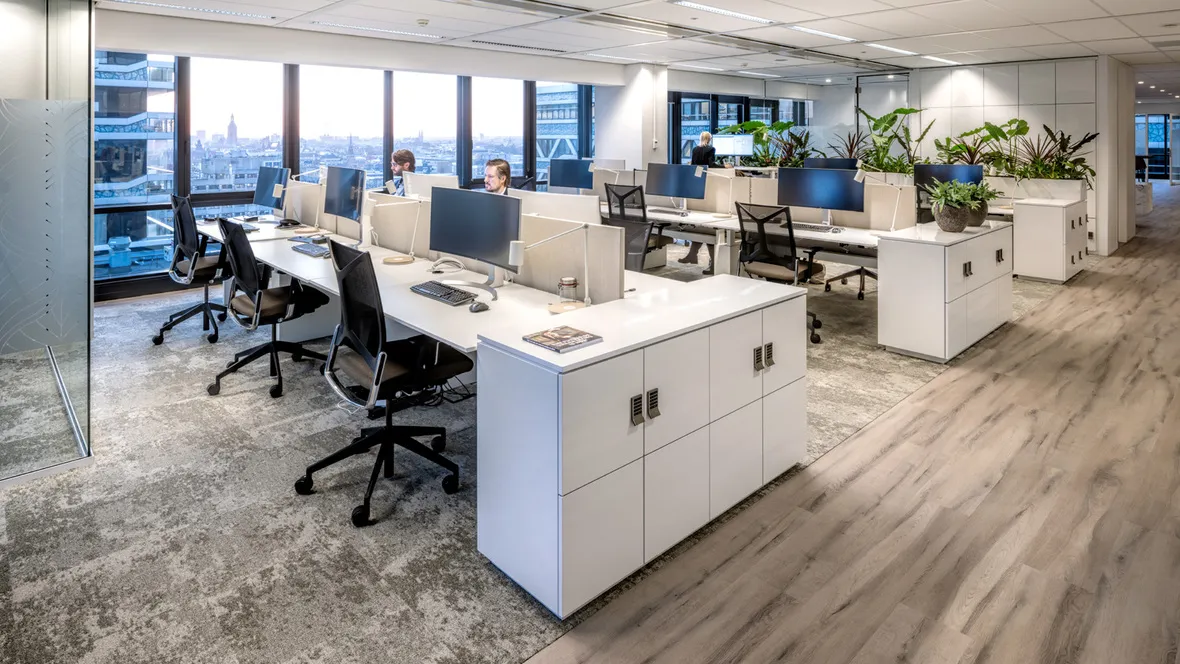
x=319, y=239
x=478, y=306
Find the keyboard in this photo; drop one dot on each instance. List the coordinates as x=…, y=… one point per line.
x=249, y=228
x=313, y=250
x=679, y=213
x=817, y=228
x=443, y=293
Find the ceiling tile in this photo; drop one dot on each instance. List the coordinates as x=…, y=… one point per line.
x=835, y=7
x=936, y=44
x=909, y=62
x=860, y=51
x=911, y=3
x=435, y=10
x=1153, y=25
x=783, y=35
x=1022, y=36
x=1120, y=7
x=1119, y=46
x=999, y=55
x=1091, y=30
x=693, y=18
x=1154, y=57
x=970, y=15
x=1047, y=11
x=1060, y=51
x=844, y=28
x=899, y=22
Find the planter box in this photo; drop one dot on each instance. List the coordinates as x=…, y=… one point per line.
x=899, y=179
x=1070, y=190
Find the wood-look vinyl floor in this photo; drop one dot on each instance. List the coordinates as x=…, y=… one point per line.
x=1022, y=507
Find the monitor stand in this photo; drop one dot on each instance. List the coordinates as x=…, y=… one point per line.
x=493, y=281
x=827, y=218
x=682, y=208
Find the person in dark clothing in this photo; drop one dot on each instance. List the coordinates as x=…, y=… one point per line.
x=704, y=154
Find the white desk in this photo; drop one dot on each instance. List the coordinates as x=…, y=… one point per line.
x=851, y=246
x=265, y=232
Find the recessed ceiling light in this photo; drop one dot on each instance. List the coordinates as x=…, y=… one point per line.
x=827, y=80
x=222, y=12
x=889, y=76
x=368, y=29
x=1151, y=86
x=890, y=48
x=942, y=60
x=1140, y=82
x=821, y=33
x=702, y=67
x=723, y=12
x=1138, y=102
x=612, y=57
x=758, y=73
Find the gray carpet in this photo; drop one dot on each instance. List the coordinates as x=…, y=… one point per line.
x=184, y=541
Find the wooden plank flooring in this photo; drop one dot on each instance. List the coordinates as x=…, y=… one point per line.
x=1022, y=507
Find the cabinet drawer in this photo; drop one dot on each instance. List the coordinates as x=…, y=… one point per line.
x=735, y=458
x=784, y=339
x=988, y=308
x=958, y=257
x=956, y=328
x=601, y=535
x=733, y=379
x=675, y=492
x=676, y=391
x=597, y=432
x=784, y=429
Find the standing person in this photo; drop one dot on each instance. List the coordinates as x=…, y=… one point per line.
x=403, y=160
x=704, y=154
x=496, y=176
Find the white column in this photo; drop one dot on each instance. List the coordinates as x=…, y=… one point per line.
x=631, y=121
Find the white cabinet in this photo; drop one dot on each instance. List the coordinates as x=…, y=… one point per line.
x=676, y=492
x=1050, y=238
x=784, y=429
x=939, y=292
x=735, y=457
x=676, y=391
x=734, y=381
x=598, y=432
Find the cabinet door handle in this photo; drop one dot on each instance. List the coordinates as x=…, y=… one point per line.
x=637, y=410
x=768, y=354
x=1072, y=223
x=967, y=271
x=999, y=255
x=758, y=365
x=653, y=403
x=1072, y=260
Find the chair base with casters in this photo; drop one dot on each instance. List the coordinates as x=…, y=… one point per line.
x=210, y=312
x=388, y=438
x=861, y=272
x=270, y=349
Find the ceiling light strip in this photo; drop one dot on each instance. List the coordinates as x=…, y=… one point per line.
x=722, y=12
x=890, y=48
x=821, y=33
x=700, y=67
x=942, y=60
x=222, y=12
x=423, y=35
x=758, y=73
x=613, y=57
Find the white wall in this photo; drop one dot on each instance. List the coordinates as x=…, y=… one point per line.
x=145, y=33
x=22, y=49
x=689, y=81
x=631, y=121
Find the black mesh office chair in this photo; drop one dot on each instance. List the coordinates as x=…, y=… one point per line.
x=627, y=209
x=521, y=182
x=258, y=305
x=397, y=372
x=191, y=265
x=784, y=266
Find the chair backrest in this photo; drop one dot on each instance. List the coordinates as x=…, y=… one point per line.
x=627, y=210
x=521, y=182
x=756, y=242
x=248, y=276
x=184, y=225
x=362, y=319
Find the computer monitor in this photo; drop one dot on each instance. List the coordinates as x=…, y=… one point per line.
x=474, y=224
x=834, y=163
x=344, y=192
x=824, y=188
x=675, y=180
x=925, y=174
x=272, y=187
x=572, y=173
x=734, y=145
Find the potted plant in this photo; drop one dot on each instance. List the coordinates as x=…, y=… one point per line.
x=957, y=205
x=778, y=144
x=849, y=146
x=1051, y=166
x=884, y=132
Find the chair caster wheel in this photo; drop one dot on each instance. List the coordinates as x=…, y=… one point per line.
x=450, y=484
x=827, y=288
x=815, y=338
x=844, y=281
x=221, y=317
x=213, y=389
x=212, y=338
x=158, y=339
x=438, y=444
x=860, y=296
x=276, y=391
x=303, y=486
x=296, y=357
x=817, y=325
x=360, y=517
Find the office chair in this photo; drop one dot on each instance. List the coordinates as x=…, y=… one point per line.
x=190, y=264
x=397, y=372
x=627, y=210
x=861, y=272
x=258, y=306
x=521, y=182
x=758, y=259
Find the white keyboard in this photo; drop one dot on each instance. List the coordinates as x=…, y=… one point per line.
x=680, y=213
x=817, y=228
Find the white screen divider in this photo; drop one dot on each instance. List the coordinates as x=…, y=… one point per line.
x=545, y=265
x=571, y=207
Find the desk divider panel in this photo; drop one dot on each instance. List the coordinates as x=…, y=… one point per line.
x=305, y=203
x=572, y=207
x=545, y=265
x=614, y=176
x=879, y=203
x=719, y=188
x=394, y=224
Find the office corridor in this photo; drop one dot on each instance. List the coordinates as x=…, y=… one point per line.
x=1024, y=506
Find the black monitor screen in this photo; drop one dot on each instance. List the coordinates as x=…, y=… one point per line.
x=820, y=162
x=474, y=224
x=345, y=192
x=573, y=173
x=271, y=187
x=824, y=188
x=675, y=180
x=927, y=173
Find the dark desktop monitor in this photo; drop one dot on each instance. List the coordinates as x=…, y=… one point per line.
x=272, y=187
x=572, y=173
x=826, y=162
x=344, y=194
x=927, y=173
x=675, y=181
x=827, y=189
x=474, y=224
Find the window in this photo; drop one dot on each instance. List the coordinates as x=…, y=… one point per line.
x=557, y=124
x=795, y=110
x=728, y=114
x=425, y=118
x=694, y=118
x=236, y=123
x=341, y=118
x=131, y=243
x=762, y=110
x=497, y=124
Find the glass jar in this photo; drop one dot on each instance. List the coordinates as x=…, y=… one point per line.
x=567, y=289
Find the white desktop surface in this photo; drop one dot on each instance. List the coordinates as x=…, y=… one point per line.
x=932, y=234
x=1046, y=202
x=635, y=322
x=858, y=237
x=264, y=233
x=694, y=218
